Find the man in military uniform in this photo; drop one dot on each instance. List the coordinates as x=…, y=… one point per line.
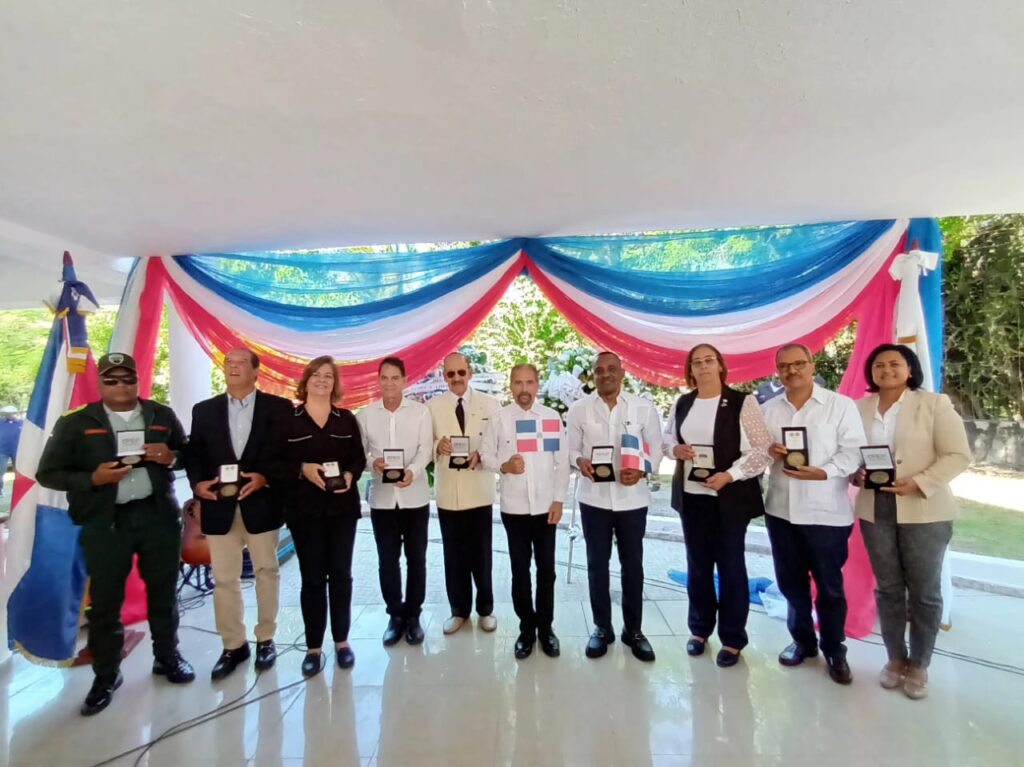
x=125, y=505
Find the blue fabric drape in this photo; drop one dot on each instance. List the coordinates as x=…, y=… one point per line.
x=926, y=232
x=702, y=273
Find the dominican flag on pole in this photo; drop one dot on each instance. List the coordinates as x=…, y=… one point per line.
x=43, y=583
x=533, y=436
x=631, y=456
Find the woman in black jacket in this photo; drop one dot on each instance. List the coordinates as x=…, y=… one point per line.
x=716, y=501
x=325, y=450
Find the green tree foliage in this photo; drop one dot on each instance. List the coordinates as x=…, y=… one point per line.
x=984, y=301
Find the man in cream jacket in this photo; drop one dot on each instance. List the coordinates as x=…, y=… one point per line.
x=465, y=496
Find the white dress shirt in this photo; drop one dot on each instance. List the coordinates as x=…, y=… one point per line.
x=240, y=412
x=546, y=477
x=835, y=434
x=408, y=428
x=591, y=423
x=883, y=427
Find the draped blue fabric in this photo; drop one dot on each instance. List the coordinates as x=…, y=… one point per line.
x=926, y=233
x=703, y=273
x=326, y=291
x=677, y=274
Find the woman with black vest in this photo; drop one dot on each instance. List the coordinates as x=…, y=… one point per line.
x=720, y=443
x=325, y=452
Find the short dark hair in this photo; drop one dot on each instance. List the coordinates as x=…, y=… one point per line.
x=723, y=369
x=916, y=378
x=255, y=359
x=314, y=365
x=395, y=362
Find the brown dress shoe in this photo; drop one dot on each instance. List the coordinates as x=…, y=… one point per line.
x=915, y=686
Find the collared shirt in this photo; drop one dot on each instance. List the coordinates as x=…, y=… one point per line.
x=835, y=434
x=308, y=442
x=240, y=421
x=883, y=427
x=137, y=485
x=546, y=477
x=591, y=423
x=410, y=429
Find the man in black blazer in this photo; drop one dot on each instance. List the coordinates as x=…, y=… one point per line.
x=234, y=468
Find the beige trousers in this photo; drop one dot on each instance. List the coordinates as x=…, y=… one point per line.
x=226, y=559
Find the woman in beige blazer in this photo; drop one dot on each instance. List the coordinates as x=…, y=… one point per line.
x=907, y=527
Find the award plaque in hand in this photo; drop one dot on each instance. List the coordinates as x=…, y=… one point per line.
x=459, y=459
x=602, y=458
x=879, y=467
x=394, y=466
x=333, y=481
x=131, y=447
x=227, y=481
x=703, y=463
x=794, y=439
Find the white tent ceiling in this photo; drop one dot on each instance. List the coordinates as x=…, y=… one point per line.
x=136, y=128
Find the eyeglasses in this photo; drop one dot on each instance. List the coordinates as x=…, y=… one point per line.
x=704, y=361
x=453, y=373
x=115, y=380
x=794, y=366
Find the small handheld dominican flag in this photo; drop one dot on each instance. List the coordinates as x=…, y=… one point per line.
x=631, y=455
x=543, y=436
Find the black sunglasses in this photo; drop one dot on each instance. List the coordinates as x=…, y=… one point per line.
x=115, y=380
x=453, y=373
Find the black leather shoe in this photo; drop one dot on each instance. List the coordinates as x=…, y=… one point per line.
x=229, y=660
x=642, y=649
x=695, y=647
x=839, y=669
x=100, y=694
x=393, y=632
x=311, y=664
x=599, y=641
x=413, y=631
x=266, y=655
x=725, y=659
x=524, y=645
x=175, y=668
x=549, y=644
x=796, y=653
x=345, y=657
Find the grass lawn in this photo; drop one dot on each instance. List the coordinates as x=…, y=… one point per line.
x=988, y=530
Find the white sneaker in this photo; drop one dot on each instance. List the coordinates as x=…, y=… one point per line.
x=488, y=622
x=453, y=624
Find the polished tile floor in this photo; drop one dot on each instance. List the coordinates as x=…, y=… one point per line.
x=464, y=700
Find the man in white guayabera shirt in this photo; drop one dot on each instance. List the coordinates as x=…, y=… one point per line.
x=810, y=516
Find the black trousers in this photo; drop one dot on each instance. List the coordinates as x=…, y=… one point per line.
x=801, y=551
x=324, y=546
x=531, y=538
x=109, y=551
x=628, y=528
x=394, y=530
x=715, y=540
x=467, y=538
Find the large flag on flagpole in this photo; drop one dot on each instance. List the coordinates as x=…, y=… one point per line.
x=44, y=579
